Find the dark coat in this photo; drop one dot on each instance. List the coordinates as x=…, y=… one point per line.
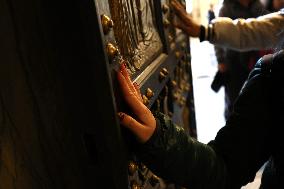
x=238, y=64
x=251, y=137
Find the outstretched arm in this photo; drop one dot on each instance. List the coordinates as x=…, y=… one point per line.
x=166, y=148
x=263, y=32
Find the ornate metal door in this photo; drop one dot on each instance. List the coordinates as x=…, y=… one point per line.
x=58, y=93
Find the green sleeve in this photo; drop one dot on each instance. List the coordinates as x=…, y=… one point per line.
x=173, y=155
x=232, y=159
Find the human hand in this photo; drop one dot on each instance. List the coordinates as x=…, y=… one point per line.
x=186, y=23
x=144, y=123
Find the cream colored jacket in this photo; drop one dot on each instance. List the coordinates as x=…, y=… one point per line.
x=263, y=32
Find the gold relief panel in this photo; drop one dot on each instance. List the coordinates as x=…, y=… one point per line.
x=135, y=31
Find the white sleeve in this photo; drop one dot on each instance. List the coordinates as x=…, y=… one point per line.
x=255, y=33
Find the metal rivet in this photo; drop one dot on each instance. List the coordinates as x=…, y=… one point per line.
x=145, y=100
x=178, y=54
x=112, y=51
x=135, y=186
x=149, y=93
x=132, y=168
x=166, y=23
x=165, y=71
x=170, y=38
x=162, y=76
x=107, y=23
x=165, y=8
x=174, y=83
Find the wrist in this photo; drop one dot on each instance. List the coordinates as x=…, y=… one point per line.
x=205, y=33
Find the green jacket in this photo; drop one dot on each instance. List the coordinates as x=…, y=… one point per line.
x=250, y=137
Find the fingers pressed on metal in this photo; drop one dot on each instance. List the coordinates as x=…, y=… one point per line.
x=138, y=108
x=128, y=121
x=133, y=125
x=128, y=79
x=138, y=91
